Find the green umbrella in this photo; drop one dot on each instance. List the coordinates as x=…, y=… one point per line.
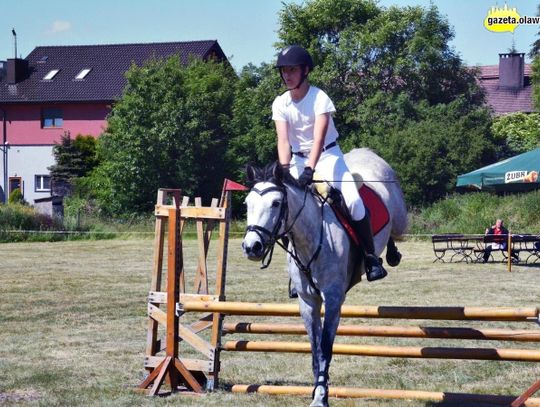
x=519, y=173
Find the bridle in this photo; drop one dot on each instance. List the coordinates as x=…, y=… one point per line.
x=269, y=238
x=273, y=237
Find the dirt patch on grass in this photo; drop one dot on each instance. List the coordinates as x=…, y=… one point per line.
x=18, y=396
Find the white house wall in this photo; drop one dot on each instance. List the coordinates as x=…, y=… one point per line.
x=27, y=162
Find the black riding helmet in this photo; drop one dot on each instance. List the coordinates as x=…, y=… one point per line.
x=294, y=55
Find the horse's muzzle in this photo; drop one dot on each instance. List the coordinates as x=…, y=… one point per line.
x=253, y=247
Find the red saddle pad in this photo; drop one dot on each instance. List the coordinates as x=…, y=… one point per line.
x=377, y=209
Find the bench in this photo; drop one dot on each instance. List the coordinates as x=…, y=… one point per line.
x=459, y=246
x=526, y=244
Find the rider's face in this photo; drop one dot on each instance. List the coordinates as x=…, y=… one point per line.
x=292, y=75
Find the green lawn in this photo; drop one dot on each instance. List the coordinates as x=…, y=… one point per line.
x=73, y=326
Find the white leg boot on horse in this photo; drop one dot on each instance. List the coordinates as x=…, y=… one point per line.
x=374, y=268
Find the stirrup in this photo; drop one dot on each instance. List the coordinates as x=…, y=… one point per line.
x=374, y=268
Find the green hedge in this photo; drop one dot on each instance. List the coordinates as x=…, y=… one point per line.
x=16, y=220
x=473, y=212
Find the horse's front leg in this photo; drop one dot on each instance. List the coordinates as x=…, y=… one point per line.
x=310, y=311
x=333, y=299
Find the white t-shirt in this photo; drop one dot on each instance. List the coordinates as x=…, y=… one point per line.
x=300, y=117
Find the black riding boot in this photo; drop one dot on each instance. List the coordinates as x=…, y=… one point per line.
x=374, y=268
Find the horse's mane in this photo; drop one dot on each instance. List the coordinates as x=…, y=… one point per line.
x=273, y=173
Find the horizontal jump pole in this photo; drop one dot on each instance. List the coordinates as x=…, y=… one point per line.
x=521, y=335
x=516, y=355
x=356, y=311
x=352, y=392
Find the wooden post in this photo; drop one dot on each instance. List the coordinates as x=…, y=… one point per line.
x=509, y=251
x=221, y=273
x=152, y=342
x=525, y=396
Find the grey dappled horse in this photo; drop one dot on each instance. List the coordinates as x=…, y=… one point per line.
x=322, y=261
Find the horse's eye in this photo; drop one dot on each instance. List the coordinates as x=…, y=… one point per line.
x=275, y=204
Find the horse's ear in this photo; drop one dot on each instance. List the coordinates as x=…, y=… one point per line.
x=277, y=172
x=251, y=175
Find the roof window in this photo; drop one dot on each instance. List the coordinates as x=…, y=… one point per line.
x=83, y=74
x=43, y=59
x=51, y=74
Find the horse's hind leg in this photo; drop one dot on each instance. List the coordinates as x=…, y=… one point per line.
x=393, y=256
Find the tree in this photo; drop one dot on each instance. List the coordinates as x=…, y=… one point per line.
x=169, y=129
x=74, y=158
x=517, y=132
x=428, y=146
x=254, y=137
x=536, y=82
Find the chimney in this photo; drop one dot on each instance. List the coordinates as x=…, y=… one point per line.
x=17, y=70
x=511, y=70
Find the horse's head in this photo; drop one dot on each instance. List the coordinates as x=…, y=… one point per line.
x=266, y=210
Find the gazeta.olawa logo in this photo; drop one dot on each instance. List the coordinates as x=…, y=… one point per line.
x=506, y=19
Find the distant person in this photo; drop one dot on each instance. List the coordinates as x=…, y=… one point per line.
x=500, y=239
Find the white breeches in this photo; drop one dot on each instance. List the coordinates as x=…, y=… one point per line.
x=332, y=168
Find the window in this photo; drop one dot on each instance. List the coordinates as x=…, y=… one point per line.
x=42, y=183
x=83, y=74
x=51, y=75
x=15, y=183
x=52, y=118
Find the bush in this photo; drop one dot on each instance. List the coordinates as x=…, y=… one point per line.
x=16, y=197
x=19, y=222
x=473, y=212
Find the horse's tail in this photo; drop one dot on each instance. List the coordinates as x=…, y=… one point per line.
x=400, y=221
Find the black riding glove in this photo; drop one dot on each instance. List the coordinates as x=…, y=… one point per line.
x=306, y=177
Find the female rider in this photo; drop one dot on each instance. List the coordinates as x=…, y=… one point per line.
x=307, y=141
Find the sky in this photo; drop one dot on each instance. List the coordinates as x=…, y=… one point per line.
x=245, y=29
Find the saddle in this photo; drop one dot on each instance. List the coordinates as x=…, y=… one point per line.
x=379, y=217
x=378, y=211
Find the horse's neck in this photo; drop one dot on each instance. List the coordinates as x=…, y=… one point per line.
x=306, y=228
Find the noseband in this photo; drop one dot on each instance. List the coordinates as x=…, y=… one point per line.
x=269, y=238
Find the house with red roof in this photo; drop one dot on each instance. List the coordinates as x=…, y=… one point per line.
x=58, y=89
x=508, y=85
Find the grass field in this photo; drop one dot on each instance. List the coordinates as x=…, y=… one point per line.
x=73, y=326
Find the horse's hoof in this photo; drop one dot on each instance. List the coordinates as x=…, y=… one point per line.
x=319, y=397
x=292, y=290
x=393, y=259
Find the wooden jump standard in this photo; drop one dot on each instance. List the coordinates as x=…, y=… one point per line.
x=166, y=308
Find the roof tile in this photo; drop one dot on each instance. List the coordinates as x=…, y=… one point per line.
x=105, y=82
x=502, y=100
